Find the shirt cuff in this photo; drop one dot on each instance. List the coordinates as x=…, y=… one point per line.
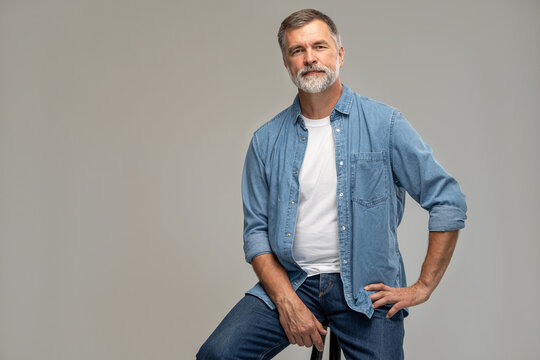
x=446, y=218
x=256, y=244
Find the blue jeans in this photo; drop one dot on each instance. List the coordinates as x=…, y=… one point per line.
x=252, y=330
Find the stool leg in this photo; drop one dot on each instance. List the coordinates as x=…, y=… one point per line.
x=335, y=349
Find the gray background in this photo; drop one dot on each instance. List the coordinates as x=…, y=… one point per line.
x=123, y=130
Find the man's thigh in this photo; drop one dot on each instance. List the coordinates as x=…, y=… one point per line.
x=359, y=336
x=251, y=330
x=364, y=338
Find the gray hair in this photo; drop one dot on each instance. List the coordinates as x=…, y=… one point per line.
x=304, y=17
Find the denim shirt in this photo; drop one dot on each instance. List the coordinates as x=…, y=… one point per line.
x=379, y=156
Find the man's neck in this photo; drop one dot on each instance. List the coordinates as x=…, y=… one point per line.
x=320, y=105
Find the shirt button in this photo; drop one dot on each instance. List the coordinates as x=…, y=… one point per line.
x=344, y=261
x=340, y=194
x=296, y=283
x=341, y=163
x=292, y=202
x=295, y=172
x=303, y=138
x=338, y=130
x=348, y=295
x=343, y=227
x=288, y=234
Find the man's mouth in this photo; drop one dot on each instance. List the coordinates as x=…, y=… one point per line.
x=312, y=72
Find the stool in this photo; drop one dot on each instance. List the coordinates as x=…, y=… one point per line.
x=335, y=349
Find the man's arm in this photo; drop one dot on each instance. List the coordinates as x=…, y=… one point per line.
x=416, y=170
x=440, y=249
x=297, y=320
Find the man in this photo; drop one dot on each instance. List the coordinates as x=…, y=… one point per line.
x=323, y=189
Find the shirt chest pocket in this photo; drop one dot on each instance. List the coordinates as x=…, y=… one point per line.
x=368, y=178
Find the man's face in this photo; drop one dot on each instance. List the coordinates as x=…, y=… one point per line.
x=311, y=57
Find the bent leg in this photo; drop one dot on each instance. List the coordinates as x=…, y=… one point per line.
x=251, y=330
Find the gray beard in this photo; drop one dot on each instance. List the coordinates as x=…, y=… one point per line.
x=315, y=83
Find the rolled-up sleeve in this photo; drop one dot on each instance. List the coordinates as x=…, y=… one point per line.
x=255, y=203
x=425, y=180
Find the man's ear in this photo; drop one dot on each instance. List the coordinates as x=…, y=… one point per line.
x=341, y=56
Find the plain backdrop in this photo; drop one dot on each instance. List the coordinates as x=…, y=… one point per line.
x=123, y=130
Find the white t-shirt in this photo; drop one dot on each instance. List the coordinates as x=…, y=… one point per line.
x=315, y=245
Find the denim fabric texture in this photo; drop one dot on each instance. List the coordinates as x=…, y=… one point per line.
x=379, y=157
x=252, y=330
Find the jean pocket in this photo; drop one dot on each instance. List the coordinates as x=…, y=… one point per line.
x=368, y=178
x=380, y=313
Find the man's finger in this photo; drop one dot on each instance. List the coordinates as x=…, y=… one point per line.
x=288, y=332
x=306, y=339
x=320, y=328
x=317, y=341
x=378, y=295
x=393, y=310
x=385, y=301
x=376, y=287
x=290, y=338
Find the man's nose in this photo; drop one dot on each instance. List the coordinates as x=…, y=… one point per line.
x=309, y=59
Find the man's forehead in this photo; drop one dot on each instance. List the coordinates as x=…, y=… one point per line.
x=315, y=30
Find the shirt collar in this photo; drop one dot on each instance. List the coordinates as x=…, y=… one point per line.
x=343, y=105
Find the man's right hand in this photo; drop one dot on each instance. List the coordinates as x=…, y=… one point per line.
x=299, y=323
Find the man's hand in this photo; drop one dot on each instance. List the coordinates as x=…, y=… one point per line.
x=440, y=249
x=400, y=297
x=299, y=323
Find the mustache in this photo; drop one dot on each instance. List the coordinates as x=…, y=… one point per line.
x=309, y=68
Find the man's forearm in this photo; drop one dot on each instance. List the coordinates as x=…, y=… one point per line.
x=440, y=249
x=273, y=277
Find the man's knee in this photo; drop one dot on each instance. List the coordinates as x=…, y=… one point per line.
x=210, y=351
x=220, y=345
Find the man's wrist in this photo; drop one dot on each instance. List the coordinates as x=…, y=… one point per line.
x=286, y=298
x=424, y=288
